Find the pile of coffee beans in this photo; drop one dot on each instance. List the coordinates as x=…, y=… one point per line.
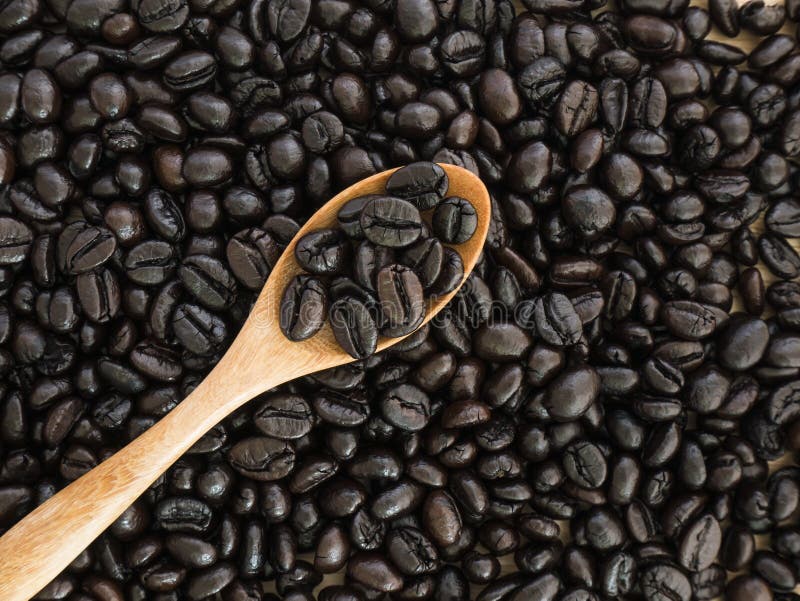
x=597, y=409
x=381, y=264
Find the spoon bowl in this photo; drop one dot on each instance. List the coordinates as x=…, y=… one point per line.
x=260, y=358
x=322, y=350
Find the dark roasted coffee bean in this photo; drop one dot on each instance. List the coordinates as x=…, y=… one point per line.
x=322, y=252
x=401, y=300
x=425, y=258
x=262, y=458
x=90, y=248
x=576, y=108
x=779, y=256
x=556, y=320
x=406, y=407
x=15, y=240
x=455, y=220
x=563, y=404
x=389, y=221
x=349, y=216
x=354, y=327
x=422, y=184
x=190, y=70
x=303, y=308
x=589, y=211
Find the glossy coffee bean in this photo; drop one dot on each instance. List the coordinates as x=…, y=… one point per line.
x=354, y=326
x=454, y=220
x=392, y=222
x=323, y=252
x=303, y=308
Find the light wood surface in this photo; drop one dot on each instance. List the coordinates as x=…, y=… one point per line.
x=41, y=545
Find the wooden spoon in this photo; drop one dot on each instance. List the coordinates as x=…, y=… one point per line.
x=40, y=546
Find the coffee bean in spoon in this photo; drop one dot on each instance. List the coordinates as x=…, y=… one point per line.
x=390, y=221
x=303, y=308
x=354, y=327
x=349, y=216
x=423, y=184
x=322, y=252
x=454, y=220
x=401, y=300
x=376, y=229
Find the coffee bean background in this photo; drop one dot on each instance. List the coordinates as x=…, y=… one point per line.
x=225, y=489
x=746, y=41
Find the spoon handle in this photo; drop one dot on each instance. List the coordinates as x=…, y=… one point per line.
x=42, y=544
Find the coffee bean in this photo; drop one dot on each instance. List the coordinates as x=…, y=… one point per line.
x=349, y=216
x=322, y=252
x=556, y=320
x=392, y=222
x=700, y=544
x=425, y=258
x=99, y=294
x=354, y=327
x=576, y=107
x=373, y=571
x=262, y=458
x=205, y=167
x=15, y=240
x=149, y=263
x=421, y=184
x=199, y=330
x=571, y=393
x=455, y=220
x=689, y=320
x=303, y=308
x=589, y=211
x=208, y=280
x=401, y=300
x=190, y=70
x=498, y=97
x=90, y=248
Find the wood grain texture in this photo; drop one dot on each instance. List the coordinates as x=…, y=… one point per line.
x=41, y=545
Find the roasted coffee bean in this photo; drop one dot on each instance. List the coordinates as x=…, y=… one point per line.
x=349, y=216
x=576, y=108
x=556, y=320
x=354, y=327
x=208, y=280
x=391, y=222
x=262, y=458
x=15, y=240
x=206, y=167
x=700, y=544
x=303, y=308
x=455, y=220
x=779, y=256
x=589, y=211
x=322, y=252
x=421, y=184
x=401, y=300
x=252, y=254
x=425, y=258
x=90, y=248
x=150, y=263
